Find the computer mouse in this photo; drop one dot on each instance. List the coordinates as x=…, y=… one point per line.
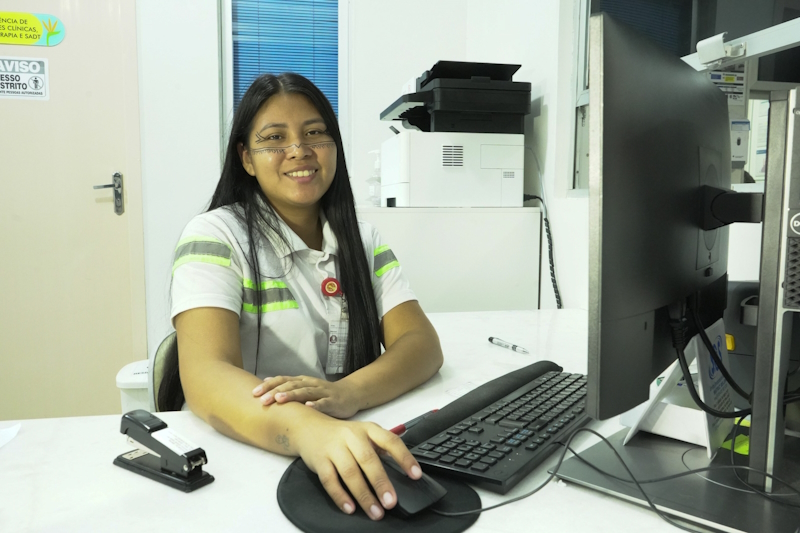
x=413, y=495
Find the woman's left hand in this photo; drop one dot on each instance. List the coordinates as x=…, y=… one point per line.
x=328, y=397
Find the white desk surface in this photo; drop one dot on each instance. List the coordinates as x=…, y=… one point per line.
x=57, y=474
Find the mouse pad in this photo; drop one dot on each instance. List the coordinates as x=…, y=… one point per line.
x=306, y=504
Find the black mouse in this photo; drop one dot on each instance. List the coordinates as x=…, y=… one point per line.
x=413, y=495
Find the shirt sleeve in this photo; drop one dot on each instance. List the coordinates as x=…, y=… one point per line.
x=206, y=270
x=389, y=283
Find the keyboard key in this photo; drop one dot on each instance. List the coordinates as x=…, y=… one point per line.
x=525, y=432
x=447, y=459
x=536, y=426
x=496, y=455
x=512, y=424
x=504, y=449
x=465, y=447
x=457, y=440
x=480, y=467
x=480, y=416
x=520, y=437
x=473, y=442
x=436, y=441
x=472, y=457
x=532, y=446
x=498, y=440
x=480, y=451
x=441, y=449
x=454, y=431
x=488, y=460
x=494, y=419
x=449, y=445
x=456, y=453
x=463, y=463
x=488, y=446
x=476, y=431
x=538, y=440
x=426, y=447
x=426, y=455
x=513, y=442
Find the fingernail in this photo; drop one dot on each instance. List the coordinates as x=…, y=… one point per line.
x=267, y=398
x=280, y=396
x=257, y=390
x=267, y=379
x=375, y=511
x=348, y=508
x=387, y=498
x=416, y=472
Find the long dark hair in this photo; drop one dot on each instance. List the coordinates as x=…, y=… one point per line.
x=237, y=187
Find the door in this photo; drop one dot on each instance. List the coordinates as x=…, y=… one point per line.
x=72, y=274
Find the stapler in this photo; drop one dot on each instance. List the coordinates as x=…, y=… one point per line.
x=162, y=454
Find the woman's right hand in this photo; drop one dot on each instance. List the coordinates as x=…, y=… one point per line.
x=350, y=450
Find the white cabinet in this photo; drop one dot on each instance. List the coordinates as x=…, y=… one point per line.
x=465, y=259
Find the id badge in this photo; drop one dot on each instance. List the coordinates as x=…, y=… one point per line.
x=337, y=341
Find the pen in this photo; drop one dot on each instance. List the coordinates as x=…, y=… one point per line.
x=504, y=344
x=402, y=428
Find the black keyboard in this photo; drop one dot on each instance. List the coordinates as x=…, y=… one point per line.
x=499, y=445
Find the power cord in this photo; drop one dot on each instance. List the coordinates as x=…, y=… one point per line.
x=527, y=197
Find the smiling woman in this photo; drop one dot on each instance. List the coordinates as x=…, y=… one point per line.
x=281, y=300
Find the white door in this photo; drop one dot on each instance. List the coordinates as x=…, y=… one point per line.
x=71, y=270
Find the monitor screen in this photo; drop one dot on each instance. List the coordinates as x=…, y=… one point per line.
x=658, y=132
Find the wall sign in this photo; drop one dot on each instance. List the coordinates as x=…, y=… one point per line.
x=24, y=78
x=30, y=29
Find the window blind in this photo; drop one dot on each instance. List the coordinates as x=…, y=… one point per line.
x=274, y=36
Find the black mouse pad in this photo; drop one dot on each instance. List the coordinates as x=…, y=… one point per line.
x=306, y=504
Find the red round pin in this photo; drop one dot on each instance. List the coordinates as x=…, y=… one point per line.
x=331, y=287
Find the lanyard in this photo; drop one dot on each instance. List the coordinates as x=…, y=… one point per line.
x=337, y=326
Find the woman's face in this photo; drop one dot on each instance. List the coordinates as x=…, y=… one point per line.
x=290, y=152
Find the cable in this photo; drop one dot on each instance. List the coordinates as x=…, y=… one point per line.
x=555, y=470
x=693, y=311
x=546, y=219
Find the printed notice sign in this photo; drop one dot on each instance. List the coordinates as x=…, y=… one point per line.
x=24, y=78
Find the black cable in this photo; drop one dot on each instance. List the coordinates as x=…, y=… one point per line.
x=549, y=247
x=693, y=311
x=555, y=470
x=679, y=331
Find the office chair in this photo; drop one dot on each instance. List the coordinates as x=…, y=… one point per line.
x=156, y=373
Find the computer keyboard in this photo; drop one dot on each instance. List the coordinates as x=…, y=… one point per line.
x=498, y=445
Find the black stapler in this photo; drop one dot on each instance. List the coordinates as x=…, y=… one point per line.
x=162, y=454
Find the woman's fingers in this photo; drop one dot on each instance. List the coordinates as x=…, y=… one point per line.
x=329, y=478
x=394, y=446
x=351, y=473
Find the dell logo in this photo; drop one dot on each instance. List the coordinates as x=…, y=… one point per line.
x=795, y=224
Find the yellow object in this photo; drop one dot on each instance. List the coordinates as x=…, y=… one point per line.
x=20, y=28
x=730, y=342
x=742, y=445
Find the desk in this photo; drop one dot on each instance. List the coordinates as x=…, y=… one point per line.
x=57, y=476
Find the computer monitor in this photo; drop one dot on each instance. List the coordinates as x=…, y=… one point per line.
x=659, y=131
x=659, y=137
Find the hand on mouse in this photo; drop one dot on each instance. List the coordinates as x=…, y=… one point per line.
x=328, y=397
x=333, y=448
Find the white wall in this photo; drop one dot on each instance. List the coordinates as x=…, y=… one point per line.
x=392, y=41
x=179, y=102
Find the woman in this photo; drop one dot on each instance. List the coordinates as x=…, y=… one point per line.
x=281, y=300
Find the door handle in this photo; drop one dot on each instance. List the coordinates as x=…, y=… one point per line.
x=116, y=184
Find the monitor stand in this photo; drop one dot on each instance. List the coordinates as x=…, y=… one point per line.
x=714, y=499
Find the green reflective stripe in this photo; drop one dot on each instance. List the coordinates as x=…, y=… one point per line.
x=380, y=249
x=268, y=296
x=202, y=250
x=266, y=308
x=264, y=285
x=387, y=268
x=211, y=259
x=385, y=258
x=275, y=296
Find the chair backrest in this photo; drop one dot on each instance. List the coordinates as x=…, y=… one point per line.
x=157, y=367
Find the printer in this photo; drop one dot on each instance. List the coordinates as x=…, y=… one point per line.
x=462, y=139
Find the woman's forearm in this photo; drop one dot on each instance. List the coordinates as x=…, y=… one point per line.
x=410, y=361
x=221, y=395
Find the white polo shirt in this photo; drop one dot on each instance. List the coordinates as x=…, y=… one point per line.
x=298, y=322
